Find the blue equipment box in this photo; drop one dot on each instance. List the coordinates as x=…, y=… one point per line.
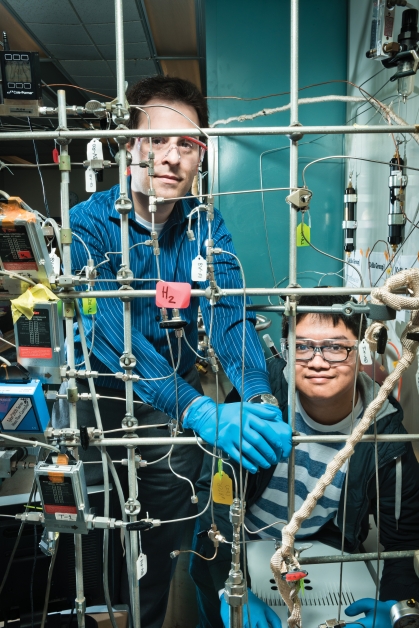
x=23, y=408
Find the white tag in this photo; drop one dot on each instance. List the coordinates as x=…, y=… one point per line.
x=90, y=180
x=65, y=516
x=141, y=566
x=94, y=150
x=55, y=261
x=365, y=353
x=199, y=269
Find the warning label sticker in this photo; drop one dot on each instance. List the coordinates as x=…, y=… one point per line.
x=34, y=335
x=17, y=413
x=15, y=249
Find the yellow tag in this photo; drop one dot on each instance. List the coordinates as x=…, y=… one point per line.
x=303, y=236
x=222, y=487
x=89, y=306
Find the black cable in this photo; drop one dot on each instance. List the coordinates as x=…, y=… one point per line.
x=40, y=173
x=35, y=540
x=12, y=555
x=50, y=571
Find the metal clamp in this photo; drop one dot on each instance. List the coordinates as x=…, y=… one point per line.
x=300, y=197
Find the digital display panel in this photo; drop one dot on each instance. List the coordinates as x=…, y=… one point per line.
x=18, y=71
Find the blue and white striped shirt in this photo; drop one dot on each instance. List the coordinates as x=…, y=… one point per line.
x=97, y=222
x=311, y=460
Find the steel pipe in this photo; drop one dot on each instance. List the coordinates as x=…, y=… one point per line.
x=256, y=292
x=296, y=440
x=224, y=132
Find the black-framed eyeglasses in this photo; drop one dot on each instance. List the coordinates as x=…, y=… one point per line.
x=329, y=349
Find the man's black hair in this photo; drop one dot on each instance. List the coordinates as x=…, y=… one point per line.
x=169, y=89
x=352, y=322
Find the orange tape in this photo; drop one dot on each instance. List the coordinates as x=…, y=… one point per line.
x=13, y=211
x=58, y=478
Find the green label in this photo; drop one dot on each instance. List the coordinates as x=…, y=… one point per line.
x=303, y=235
x=89, y=306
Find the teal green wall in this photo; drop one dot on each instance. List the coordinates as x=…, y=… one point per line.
x=248, y=56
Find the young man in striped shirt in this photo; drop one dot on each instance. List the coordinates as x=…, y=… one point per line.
x=332, y=394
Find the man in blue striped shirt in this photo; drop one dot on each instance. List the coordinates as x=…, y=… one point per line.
x=161, y=393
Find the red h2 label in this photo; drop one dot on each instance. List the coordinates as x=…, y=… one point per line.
x=173, y=294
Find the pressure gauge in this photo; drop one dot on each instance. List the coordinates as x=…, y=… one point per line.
x=405, y=613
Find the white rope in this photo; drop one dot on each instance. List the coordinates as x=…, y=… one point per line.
x=388, y=111
x=284, y=557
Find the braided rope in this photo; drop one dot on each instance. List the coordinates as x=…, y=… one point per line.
x=284, y=555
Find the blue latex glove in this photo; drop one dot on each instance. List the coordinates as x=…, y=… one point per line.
x=261, y=615
x=266, y=438
x=366, y=605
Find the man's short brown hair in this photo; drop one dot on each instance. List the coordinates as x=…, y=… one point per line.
x=169, y=89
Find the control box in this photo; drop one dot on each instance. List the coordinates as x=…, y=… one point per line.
x=63, y=492
x=21, y=83
x=23, y=409
x=40, y=342
x=22, y=248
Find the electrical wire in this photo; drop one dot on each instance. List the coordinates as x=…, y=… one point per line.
x=16, y=276
x=377, y=488
x=48, y=589
x=328, y=254
x=77, y=87
x=40, y=174
x=265, y=527
x=345, y=499
x=373, y=161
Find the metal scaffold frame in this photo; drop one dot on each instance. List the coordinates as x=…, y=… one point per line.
x=295, y=131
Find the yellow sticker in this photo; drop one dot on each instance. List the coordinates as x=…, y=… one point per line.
x=89, y=306
x=222, y=487
x=303, y=235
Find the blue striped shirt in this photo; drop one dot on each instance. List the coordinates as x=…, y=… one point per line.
x=311, y=460
x=97, y=222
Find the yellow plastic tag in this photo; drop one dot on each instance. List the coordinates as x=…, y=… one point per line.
x=303, y=236
x=89, y=306
x=222, y=487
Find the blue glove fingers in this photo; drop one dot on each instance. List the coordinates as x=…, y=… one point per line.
x=263, y=411
x=272, y=618
x=360, y=606
x=247, y=461
x=277, y=435
x=254, y=434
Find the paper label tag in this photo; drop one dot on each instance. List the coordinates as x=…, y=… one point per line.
x=89, y=306
x=222, y=487
x=65, y=516
x=55, y=261
x=365, y=353
x=141, y=566
x=90, y=180
x=94, y=150
x=173, y=294
x=303, y=235
x=16, y=414
x=199, y=269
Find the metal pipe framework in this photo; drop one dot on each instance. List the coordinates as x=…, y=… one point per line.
x=225, y=132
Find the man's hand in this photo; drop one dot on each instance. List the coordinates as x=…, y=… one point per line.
x=261, y=615
x=366, y=605
x=266, y=438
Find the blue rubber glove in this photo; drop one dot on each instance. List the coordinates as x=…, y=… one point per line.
x=266, y=438
x=366, y=605
x=261, y=615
